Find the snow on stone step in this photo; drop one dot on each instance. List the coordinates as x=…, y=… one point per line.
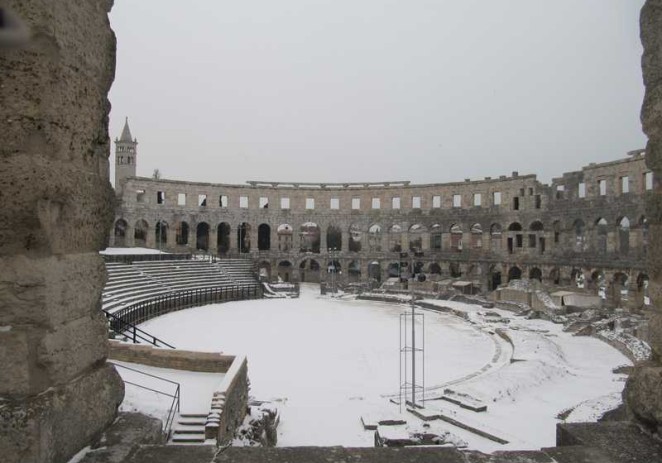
x=179, y=439
x=192, y=421
x=189, y=429
x=424, y=414
x=371, y=421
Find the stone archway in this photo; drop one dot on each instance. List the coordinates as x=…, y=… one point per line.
x=264, y=237
x=140, y=231
x=514, y=273
x=202, y=236
x=284, y=271
x=223, y=237
x=309, y=271
x=161, y=234
x=119, y=233
x=375, y=271
x=181, y=233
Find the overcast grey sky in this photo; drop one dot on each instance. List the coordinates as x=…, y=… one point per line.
x=374, y=90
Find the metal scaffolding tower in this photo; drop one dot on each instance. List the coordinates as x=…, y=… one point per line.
x=412, y=356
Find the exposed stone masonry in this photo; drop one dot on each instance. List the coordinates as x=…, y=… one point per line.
x=56, y=390
x=643, y=393
x=589, y=222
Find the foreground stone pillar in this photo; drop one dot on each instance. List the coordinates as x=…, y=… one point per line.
x=56, y=390
x=643, y=392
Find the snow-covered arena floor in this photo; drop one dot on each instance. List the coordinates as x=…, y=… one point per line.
x=327, y=362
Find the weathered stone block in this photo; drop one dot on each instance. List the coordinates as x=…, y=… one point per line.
x=14, y=351
x=652, y=112
x=654, y=160
x=34, y=359
x=643, y=394
x=54, y=425
x=72, y=348
x=127, y=434
x=650, y=27
x=66, y=209
x=50, y=291
x=655, y=334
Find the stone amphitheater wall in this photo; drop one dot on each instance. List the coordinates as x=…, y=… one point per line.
x=551, y=232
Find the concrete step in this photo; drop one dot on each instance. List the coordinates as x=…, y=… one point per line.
x=180, y=430
x=188, y=438
x=192, y=421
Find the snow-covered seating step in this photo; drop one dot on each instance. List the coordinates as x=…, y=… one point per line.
x=424, y=414
x=463, y=400
x=371, y=422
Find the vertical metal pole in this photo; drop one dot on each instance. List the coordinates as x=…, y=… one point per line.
x=158, y=224
x=400, y=371
x=413, y=348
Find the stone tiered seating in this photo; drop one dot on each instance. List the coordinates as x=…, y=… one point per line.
x=239, y=270
x=142, y=281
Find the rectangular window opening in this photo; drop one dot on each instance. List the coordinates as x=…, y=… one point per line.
x=310, y=203
x=416, y=202
x=284, y=203
x=202, y=200
x=334, y=203
x=264, y=202
x=625, y=184
x=223, y=201
x=582, y=190
x=140, y=196
x=376, y=203
x=395, y=202
x=243, y=202
x=181, y=199
x=356, y=204
x=477, y=199
x=560, y=190
x=602, y=187
x=532, y=241
x=496, y=198
x=516, y=203
x=457, y=200
x=648, y=181
x=436, y=202
x=160, y=197
x=538, y=201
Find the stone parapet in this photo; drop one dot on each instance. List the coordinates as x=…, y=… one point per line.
x=210, y=362
x=229, y=403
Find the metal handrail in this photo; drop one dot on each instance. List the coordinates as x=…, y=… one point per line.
x=171, y=302
x=175, y=405
x=136, y=333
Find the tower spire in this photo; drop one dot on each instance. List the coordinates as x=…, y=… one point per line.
x=125, y=157
x=126, y=132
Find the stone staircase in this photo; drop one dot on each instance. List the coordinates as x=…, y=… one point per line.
x=240, y=271
x=189, y=428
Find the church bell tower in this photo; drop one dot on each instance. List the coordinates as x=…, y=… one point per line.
x=125, y=157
